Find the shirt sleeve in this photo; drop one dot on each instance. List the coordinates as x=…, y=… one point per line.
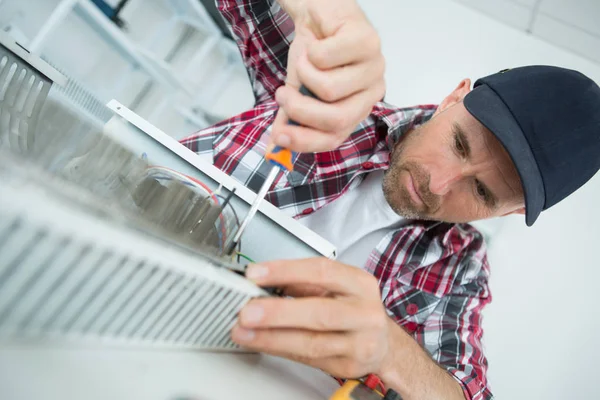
x=263, y=32
x=453, y=334
x=439, y=298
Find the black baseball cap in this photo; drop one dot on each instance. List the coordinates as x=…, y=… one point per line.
x=548, y=120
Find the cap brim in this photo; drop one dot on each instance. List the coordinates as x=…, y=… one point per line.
x=487, y=107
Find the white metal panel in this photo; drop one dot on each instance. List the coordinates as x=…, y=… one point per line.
x=260, y=231
x=74, y=270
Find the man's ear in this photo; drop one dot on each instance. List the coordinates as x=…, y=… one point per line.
x=457, y=95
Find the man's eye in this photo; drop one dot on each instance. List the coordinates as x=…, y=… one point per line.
x=460, y=149
x=481, y=190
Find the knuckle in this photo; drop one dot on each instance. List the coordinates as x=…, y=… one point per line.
x=272, y=311
x=380, y=67
x=372, y=41
x=321, y=269
x=261, y=341
x=292, y=109
x=364, y=352
x=374, y=36
x=370, y=282
x=323, y=319
x=374, y=316
x=370, y=350
x=376, y=44
x=280, y=90
x=319, y=58
x=316, y=348
x=378, y=92
x=328, y=91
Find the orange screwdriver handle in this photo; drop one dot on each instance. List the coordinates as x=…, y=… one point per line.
x=282, y=157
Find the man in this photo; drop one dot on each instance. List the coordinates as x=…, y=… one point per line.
x=392, y=189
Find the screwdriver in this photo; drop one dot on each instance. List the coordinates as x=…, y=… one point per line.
x=281, y=159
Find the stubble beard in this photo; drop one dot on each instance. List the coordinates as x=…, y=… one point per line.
x=398, y=196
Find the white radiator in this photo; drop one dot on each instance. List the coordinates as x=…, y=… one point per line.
x=87, y=253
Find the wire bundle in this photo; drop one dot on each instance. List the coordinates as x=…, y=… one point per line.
x=227, y=220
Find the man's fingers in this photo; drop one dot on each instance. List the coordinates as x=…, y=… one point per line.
x=339, y=83
x=316, y=114
x=306, y=140
x=294, y=344
x=306, y=291
x=334, y=353
x=331, y=275
x=311, y=313
x=301, y=139
x=348, y=46
x=323, y=126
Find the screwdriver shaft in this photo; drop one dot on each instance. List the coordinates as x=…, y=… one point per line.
x=281, y=158
x=259, y=197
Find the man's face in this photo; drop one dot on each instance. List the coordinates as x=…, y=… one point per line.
x=452, y=169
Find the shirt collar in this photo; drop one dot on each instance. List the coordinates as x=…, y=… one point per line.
x=399, y=121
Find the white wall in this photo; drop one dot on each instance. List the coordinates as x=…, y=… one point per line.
x=541, y=327
x=571, y=24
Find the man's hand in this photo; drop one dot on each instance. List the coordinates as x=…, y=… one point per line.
x=338, y=324
x=336, y=54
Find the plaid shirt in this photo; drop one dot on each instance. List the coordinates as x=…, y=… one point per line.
x=433, y=276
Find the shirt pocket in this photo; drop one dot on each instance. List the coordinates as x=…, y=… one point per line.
x=409, y=306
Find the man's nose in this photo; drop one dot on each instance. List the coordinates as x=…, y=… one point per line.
x=442, y=181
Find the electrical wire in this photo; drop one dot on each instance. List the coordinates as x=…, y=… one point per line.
x=239, y=250
x=193, y=182
x=237, y=223
x=167, y=173
x=188, y=179
x=223, y=227
x=245, y=257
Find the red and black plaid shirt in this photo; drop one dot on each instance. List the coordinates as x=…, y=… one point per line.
x=433, y=276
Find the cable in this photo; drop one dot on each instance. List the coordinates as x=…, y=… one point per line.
x=187, y=178
x=193, y=182
x=237, y=222
x=239, y=251
x=223, y=226
x=245, y=257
